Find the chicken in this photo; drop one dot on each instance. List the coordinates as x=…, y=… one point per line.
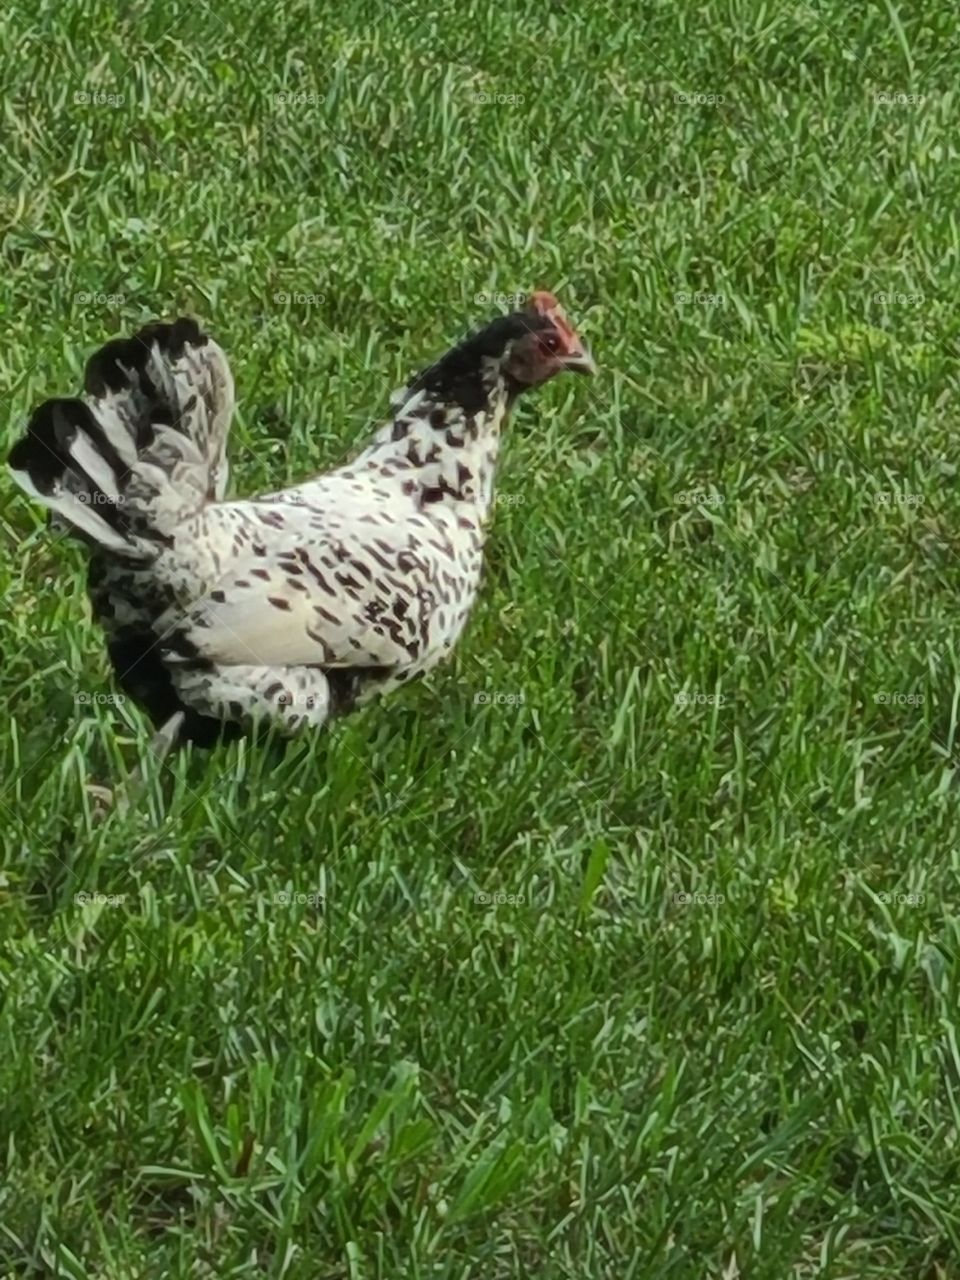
x=282, y=610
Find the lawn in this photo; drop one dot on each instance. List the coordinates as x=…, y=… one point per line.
x=627, y=944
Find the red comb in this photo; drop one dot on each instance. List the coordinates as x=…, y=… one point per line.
x=546, y=304
x=542, y=301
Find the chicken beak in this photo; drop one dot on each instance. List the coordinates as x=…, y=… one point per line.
x=580, y=361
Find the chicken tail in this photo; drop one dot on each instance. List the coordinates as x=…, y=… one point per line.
x=143, y=450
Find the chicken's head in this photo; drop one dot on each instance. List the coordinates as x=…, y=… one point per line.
x=548, y=345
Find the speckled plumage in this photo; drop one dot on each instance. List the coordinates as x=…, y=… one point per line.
x=293, y=606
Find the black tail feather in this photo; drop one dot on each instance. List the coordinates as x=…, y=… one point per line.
x=144, y=449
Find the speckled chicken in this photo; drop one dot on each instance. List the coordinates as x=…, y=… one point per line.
x=222, y=616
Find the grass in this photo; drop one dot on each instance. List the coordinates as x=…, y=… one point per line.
x=696, y=754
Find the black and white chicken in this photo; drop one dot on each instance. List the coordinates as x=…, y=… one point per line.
x=290, y=607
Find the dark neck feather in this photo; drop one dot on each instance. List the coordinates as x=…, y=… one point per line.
x=444, y=435
x=462, y=377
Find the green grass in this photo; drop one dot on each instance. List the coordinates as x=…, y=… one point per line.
x=207, y=1072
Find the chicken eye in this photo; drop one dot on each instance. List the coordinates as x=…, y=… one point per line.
x=551, y=342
